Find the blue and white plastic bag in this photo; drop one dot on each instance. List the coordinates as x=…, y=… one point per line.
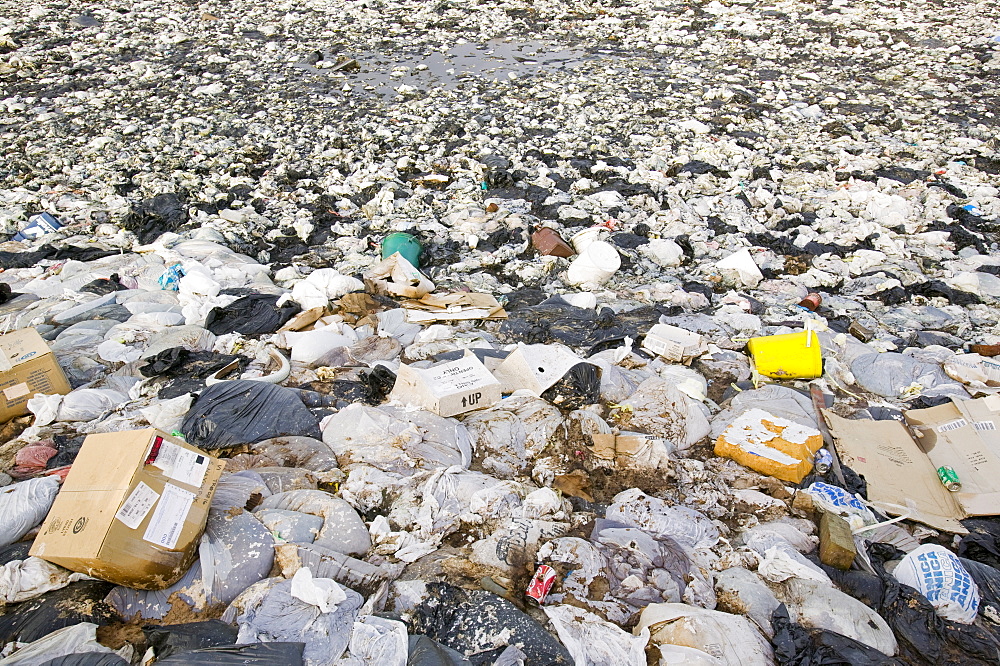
x=939, y=575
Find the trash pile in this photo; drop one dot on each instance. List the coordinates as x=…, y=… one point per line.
x=409, y=334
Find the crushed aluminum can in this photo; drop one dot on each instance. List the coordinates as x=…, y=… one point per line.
x=949, y=478
x=541, y=583
x=823, y=461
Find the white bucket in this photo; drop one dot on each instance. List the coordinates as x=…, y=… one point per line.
x=581, y=240
x=595, y=265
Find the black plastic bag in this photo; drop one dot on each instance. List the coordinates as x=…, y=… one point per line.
x=245, y=412
x=378, y=384
x=925, y=639
x=474, y=621
x=854, y=483
x=255, y=654
x=29, y=259
x=982, y=543
x=157, y=215
x=78, y=602
x=251, y=315
x=15, y=551
x=555, y=320
x=795, y=645
x=425, y=651
x=103, y=286
x=987, y=579
x=87, y=659
x=67, y=450
x=177, y=638
x=579, y=387
x=182, y=362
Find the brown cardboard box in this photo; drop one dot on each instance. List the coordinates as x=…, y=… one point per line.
x=132, y=509
x=27, y=367
x=900, y=461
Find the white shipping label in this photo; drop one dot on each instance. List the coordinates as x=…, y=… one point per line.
x=984, y=425
x=137, y=505
x=182, y=465
x=952, y=425
x=16, y=391
x=165, y=526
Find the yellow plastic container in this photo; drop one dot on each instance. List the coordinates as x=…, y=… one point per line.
x=789, y=356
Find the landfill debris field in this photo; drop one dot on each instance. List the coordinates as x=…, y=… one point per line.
x=381, y=333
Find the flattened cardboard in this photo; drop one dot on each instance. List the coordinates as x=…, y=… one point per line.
x=901, y=478
x=27, y=367
x=447, y=389
x=965, y=436
x=453, y=307
x=395, y=276
x=132, y=509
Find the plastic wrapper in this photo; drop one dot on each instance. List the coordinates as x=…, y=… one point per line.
x=729, y=638
x=395, y=440
x=596, y=642
x=25, y=579
x=61, y=643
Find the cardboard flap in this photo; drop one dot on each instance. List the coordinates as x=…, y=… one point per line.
x=20, y=346
x=965, y=436
x=898, y=472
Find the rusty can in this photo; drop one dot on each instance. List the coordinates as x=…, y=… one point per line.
x=811, y=302
x=985, y=350
x=860, y=332
x=541, y=583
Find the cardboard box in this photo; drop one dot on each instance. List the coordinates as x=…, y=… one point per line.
x=132, y=509
x=448, y=388
x=535, y=368
x=27, y=367
x=900, y=461
x=674, y=343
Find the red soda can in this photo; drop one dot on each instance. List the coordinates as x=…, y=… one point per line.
x=541, y=583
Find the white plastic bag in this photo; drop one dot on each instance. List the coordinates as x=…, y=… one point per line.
x=61, y=642
x=26, y=579
x=323, y=593
x=88, y=404
x=635, y=508
x=595, y=642
x=24, y=505
x=376, y=641
x=167, y=415
x=940, y=576
x=323, y=285
x=731, y=639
